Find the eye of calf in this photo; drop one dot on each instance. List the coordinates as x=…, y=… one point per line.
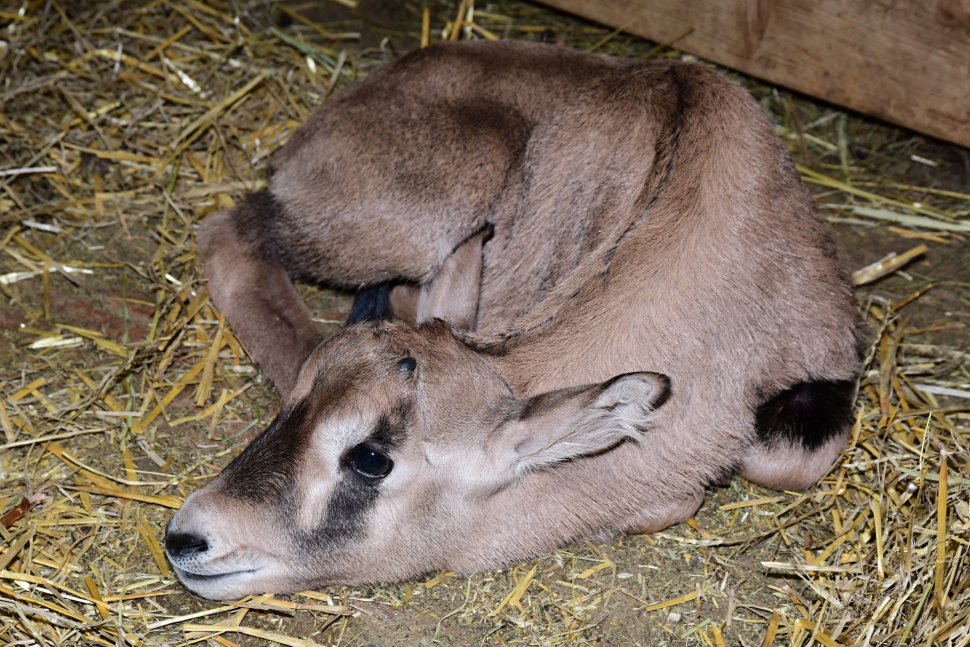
x=368, y=462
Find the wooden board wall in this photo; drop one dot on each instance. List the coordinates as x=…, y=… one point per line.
x=903, y=61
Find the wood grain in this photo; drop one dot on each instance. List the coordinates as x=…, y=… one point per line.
x=903, y=61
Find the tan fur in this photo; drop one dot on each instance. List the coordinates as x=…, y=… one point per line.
x=790, y=467
x=453, y=293
x=404, y=302
x=647, y=222
x=259, y=300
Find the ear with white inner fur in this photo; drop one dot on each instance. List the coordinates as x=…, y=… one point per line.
x=571, y=423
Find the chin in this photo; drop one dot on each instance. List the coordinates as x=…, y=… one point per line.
x=226, y=586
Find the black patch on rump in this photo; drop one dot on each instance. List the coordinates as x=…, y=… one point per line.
x=809, y=413
x=371, y=304
x=265, y=473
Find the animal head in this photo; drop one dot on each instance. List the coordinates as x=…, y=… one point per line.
x=383, y=457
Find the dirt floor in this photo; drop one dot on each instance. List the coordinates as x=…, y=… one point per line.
x=134, y=322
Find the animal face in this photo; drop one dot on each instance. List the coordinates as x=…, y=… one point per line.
x=383, y=458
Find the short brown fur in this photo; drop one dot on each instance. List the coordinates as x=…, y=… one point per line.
x=645, y=218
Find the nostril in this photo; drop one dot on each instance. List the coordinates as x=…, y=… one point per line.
x=183, y=544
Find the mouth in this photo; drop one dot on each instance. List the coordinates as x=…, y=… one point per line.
x=189, y=576
x=228, y=585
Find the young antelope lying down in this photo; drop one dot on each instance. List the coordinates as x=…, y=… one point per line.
x=620, y=293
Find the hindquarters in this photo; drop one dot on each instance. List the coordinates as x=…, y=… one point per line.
x=800, y=432
x=726, y=278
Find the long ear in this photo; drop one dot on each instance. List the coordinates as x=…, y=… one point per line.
x=571, y=423
x=452, y=295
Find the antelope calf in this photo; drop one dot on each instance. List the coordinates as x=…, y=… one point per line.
x=618, y=291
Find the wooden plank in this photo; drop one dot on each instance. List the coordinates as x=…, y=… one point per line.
x=903, y=61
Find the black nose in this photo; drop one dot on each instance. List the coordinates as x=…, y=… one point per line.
x=183, y=544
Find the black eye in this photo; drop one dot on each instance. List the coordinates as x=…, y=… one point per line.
x=407, y=365
x=369, y=462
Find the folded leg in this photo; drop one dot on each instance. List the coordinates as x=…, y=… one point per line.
x=258, y=299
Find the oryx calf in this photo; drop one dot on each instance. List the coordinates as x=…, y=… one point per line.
x=622, y=293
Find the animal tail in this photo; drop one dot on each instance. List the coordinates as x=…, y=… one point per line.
x=808, y=414
x=800, y=432
x=371, y=303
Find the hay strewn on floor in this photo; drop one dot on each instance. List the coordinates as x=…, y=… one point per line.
x=123, y=124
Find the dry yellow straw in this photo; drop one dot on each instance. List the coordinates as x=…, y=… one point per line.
x=877, y=520
x=516, y=594
x=153, y=547
x=878, y=270
x=718, y=638
x=426, y=28
x=772, y=630
x=253, y=632
x=459, y=21
x=753, y=502
x=816, y=635
x=205, y=385
x=673, y=601
x=941, y=531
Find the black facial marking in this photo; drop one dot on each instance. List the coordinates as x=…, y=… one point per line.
x=809, y=413
x=266, y=471
x=392, y=428
x=346, y=514
x=372, y=303
x=356, y=492
x=359, y=485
